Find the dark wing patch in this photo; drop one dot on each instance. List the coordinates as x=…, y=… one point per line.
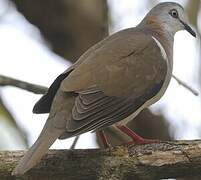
x=45, y=102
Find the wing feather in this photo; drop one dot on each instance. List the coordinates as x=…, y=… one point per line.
x=105, y=111
x=111, y=107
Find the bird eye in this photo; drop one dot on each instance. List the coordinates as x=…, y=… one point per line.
x=174, y=13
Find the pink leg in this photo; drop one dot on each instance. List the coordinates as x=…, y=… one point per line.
x=136, y=138
x=103, y=139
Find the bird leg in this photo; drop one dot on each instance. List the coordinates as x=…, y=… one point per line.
x=135, y=137
x=103, y=138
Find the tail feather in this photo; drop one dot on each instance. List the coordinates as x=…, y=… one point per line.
x=36, y=152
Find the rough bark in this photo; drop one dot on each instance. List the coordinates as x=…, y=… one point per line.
x=153, y=161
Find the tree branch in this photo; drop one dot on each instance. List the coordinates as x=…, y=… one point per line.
x=8, y=81
x=154, y=161
x=74, y=142
x=185, y=85
x=37, y=89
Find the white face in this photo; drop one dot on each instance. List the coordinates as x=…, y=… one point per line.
x=171, y=17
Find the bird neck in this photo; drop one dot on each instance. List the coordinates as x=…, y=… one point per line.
x=152, y=27
x=166, y=39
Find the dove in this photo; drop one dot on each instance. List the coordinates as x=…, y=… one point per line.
x=111, y=83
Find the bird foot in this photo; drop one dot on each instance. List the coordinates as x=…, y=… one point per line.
x=104, y=140
x=136, y=139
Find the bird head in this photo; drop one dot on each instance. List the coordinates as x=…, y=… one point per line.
x=169, y=17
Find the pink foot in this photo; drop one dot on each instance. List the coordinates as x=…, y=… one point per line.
x=103, y=138
x=136, y=139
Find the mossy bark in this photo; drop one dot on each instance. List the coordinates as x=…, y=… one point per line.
x=153, y=161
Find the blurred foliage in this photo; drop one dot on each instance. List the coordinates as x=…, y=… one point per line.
x=71, y=27
x=193, y=8
x=12, y=136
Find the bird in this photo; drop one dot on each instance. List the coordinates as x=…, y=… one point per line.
x=111, y=83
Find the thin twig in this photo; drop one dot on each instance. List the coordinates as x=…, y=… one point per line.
x=8, y=81
x=74, y=142
x=37, y=89
x=180, y=82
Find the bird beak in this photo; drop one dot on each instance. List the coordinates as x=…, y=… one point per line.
x=188, y=28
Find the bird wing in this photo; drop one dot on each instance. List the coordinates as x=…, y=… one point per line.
x=45, y=102
x=128, y=64
x=94, y=110
x=114, y=80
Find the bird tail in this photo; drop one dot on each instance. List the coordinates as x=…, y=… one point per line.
x=47, y=137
